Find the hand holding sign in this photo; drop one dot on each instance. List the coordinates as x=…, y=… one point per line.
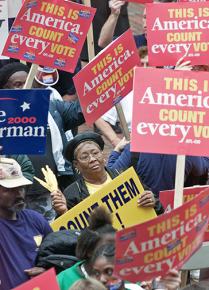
x=59, y=202
x=35, y=271
x=115, y=6
x=146, y=199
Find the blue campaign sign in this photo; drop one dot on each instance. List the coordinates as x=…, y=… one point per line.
x=23, y=121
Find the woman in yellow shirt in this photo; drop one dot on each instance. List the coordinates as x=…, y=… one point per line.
x=85, y=152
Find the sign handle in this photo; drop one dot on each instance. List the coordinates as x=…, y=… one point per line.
x=179, y=181
x=31, y=75
x=122, y=119
x=90, y=36
x=178, y=198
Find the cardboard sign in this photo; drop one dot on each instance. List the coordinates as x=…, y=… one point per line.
x=146, y=251
x=181, y=29
x=23, y=121
x=170, y=112
x=107, y=78
x=49, y=33
x=4, y=28
x=119, y=197
x=167, y=200
x=45, y=281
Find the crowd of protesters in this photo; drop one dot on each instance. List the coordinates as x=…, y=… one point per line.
x=79, y=164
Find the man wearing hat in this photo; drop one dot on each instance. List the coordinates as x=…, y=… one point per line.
x=85, y=152
x=21, y=231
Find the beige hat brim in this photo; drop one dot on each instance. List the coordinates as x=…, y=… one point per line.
x=15, y=182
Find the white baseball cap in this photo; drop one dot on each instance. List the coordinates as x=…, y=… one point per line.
x=11, y=175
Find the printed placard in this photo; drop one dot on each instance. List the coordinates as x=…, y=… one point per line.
x=149, y=250
x=4, y=28
x=170, y=112
x=107, y=78
x=49, y=33
x=23, y=121
x=45, y=281
x=192, y=0
x=167, y=200
x=181, y=29
x=119, y=197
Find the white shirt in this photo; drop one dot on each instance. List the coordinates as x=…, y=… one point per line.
x=127, y=105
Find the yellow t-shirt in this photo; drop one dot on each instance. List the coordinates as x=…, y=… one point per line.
x=92, y=188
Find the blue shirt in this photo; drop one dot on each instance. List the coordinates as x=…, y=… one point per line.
x=158, y=171
x=140, y=40
x=19, y=242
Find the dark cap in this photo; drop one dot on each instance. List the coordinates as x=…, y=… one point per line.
x=9, y=69
x=80, y=138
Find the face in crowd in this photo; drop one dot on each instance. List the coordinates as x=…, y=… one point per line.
x=88, y=158
x=102, y=270
x=12, y=199
x=16, y=80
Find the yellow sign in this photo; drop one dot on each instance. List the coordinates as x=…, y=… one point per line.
x=119, y=197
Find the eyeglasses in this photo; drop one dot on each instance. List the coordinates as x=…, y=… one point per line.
x=86, y=157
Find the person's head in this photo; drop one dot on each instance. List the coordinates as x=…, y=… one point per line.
x=99, y=232
x=13, y=75
x=143, y=54
x=45, y=77
x=12, y=187
x=102, y=263
x=87, y=284
x=85, y=151
x=102, y=267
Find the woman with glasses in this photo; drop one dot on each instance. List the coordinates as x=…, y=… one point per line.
x=85, y=152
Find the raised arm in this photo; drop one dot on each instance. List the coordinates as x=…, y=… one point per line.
x=108, y=29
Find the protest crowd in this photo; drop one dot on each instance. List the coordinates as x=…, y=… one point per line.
x=92, y=188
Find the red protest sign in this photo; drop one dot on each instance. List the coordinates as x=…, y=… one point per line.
x=148, y=250
x=3, y=25
x=107, y=78
x=45, y=281
x=49, y=33
x=170, y=112
x=140, y=1
x=181, y=29
x=167, y=200
x=192, y=0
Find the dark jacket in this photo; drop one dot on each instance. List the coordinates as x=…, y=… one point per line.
x=77, y=191
x=67, y=116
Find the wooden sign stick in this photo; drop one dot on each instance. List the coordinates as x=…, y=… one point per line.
x=178, y=197
x=179, y=180
x=90, y=36
x=122, y=119
x=31, y=75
